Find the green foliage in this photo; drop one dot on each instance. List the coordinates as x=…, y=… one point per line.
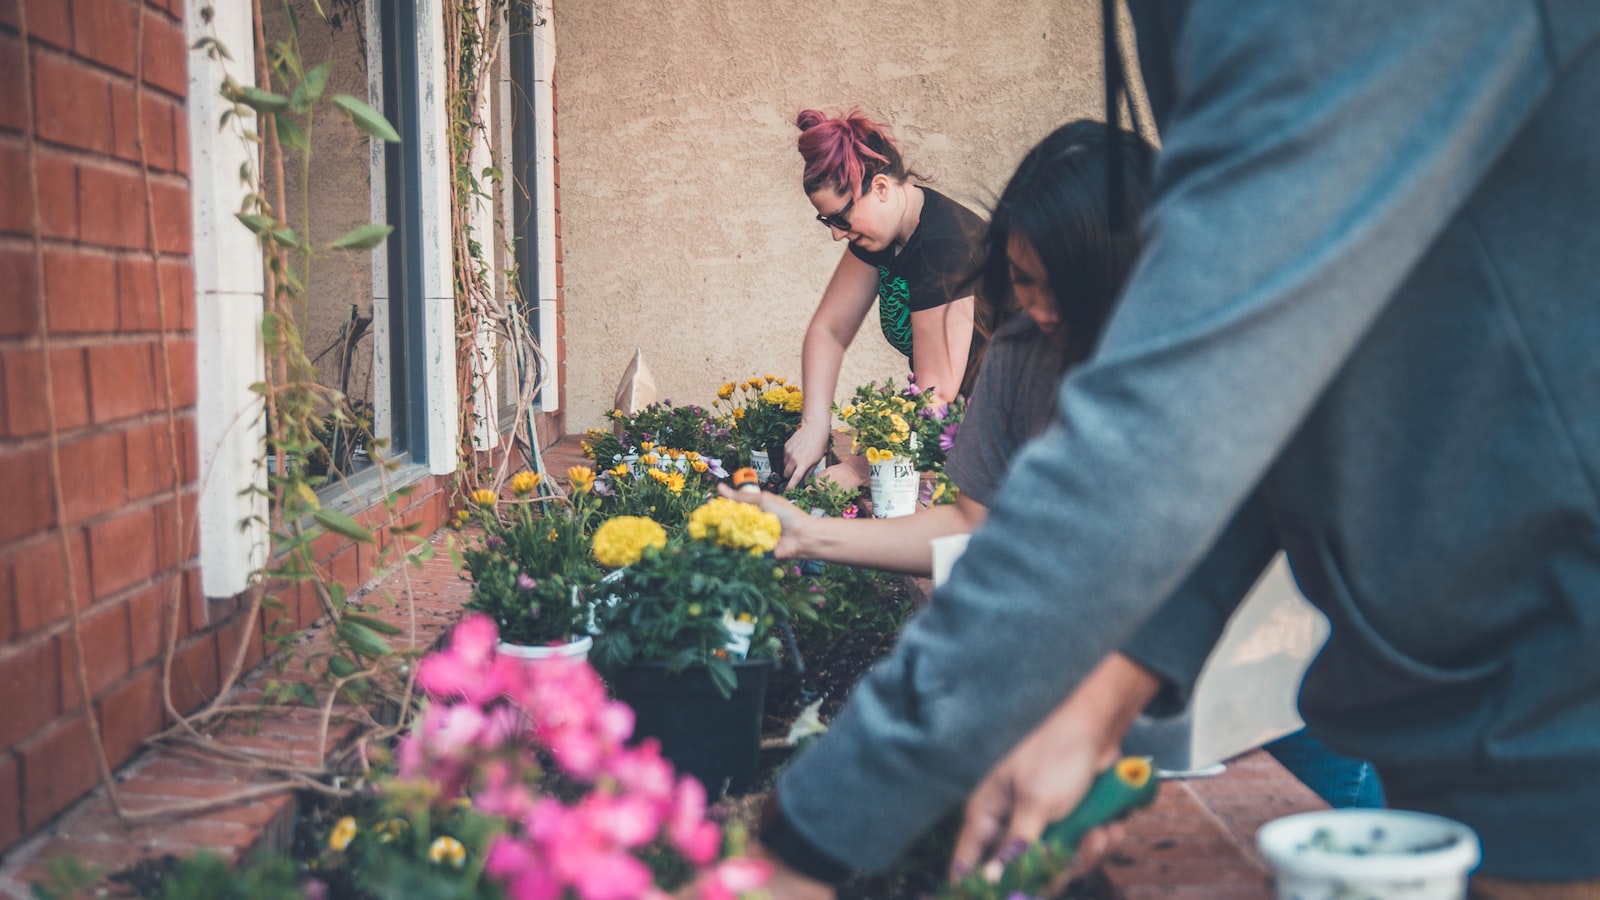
x=400, y=844
x=676, y=605
x=823, y=494
x=765, y=412
x=654, y=487
x=842, y=599
x=65, y=878
x=549, y=549
x=207, y=876
x=686, y=428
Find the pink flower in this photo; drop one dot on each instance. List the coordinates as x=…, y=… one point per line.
x=734, y=877
x=468, y=668
x=850, y=512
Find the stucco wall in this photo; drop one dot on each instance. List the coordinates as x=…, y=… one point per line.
x=685, y=230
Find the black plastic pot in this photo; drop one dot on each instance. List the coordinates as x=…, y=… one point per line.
x=714, y=739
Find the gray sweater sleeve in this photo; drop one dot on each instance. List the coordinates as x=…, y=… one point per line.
x=1309, y=159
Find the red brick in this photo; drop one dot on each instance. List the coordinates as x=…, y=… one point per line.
x=58, y=192
x=25, y=483
x=160, y=127
x=147, y=618
x=150, y=459
x=194, y=673
x=103, y=30
x=175, y=539
x=71, y=103
x=136, y=290
x=196, y=606
x=122, y=381
x=10, y=801
x=41, y=582
x=8, y=597
x=173, y=234
x=48, y=21
x=111, y=207
x=166, y=55
x=13, y=106
x=228, y=638
x=122, y=551
x=93, y=475
x=105, y=651
x=19, y=315
x=130, y=713
x=28, y=681
x=57, y=768
x=181, y=367
x=23, y=386
x=81, y=289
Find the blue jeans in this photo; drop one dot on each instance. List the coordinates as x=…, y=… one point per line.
x=1341, y=781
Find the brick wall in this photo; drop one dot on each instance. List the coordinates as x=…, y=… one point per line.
x=121, y=503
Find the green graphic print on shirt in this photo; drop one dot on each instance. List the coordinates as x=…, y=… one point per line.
x=894, y=311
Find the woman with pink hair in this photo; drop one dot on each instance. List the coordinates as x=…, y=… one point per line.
x=910, y=247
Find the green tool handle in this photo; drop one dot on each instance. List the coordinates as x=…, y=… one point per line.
x=1115, y=792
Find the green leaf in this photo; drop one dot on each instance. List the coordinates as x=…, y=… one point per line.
x=262, y=101
x=285, y=235
x=366, y=118
x=310, y=88
x=341, y=524
x=257, y=224
x=363, y=238
x=362, y=639
x=341, y=667
x=290, y=134
x=376, y=624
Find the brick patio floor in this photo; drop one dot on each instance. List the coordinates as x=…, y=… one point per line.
x=1197, y=841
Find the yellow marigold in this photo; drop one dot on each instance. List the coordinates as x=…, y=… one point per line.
x=619, y=470
x=524, y=483
x=778, y=396
x=742, y=526
x=699, y=466
x=446, y=849
x=344, y=831
x=619, y=541
x=581, y=478
x=675, y=482
x=725, y=391
x=484, y=497
x=796, y=401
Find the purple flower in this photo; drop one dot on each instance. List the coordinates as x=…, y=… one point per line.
x=525, y=583
x=495, y=542
x=947, y=437
x=602, y=486
x=911, y=378
x=714, y=467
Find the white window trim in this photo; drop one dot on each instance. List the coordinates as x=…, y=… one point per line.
x=228, y=287
x=438, y=282
x=544, y=60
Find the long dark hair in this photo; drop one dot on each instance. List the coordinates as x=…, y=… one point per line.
x=1057, y=202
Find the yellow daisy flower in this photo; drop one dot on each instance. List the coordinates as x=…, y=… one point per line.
x=524, y=483
x=344, y=831
x=581, y=478
x=484, y=497
x=725, y=391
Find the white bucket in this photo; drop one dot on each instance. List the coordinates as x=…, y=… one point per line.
x=575, y=649
x=762, y=463
x=1384, y=854
x=894, y=487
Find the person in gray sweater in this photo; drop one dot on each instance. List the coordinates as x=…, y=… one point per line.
x=1363, y=330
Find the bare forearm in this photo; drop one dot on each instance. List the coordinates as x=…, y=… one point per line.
x=894, y=545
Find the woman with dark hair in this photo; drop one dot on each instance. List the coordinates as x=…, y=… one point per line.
x=910, y=246
x=1050, y=266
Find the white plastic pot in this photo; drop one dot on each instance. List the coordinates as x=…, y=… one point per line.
x=1383, y=854
x=574, y=649
x=894, y=487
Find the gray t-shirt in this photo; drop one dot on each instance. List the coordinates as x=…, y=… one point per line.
x=1013, y=400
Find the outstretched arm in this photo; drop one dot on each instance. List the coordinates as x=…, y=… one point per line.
x=833, y=326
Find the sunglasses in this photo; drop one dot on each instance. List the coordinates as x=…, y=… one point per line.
x=840, y=219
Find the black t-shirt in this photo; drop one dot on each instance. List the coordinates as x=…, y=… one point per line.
x=929, y=270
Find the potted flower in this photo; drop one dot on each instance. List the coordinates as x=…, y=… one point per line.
x=765, y=412
x=880, y=419
x=531, y=568
x=660, y=483
x=1369, y=853
x=541, y=752
x=693, y=638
